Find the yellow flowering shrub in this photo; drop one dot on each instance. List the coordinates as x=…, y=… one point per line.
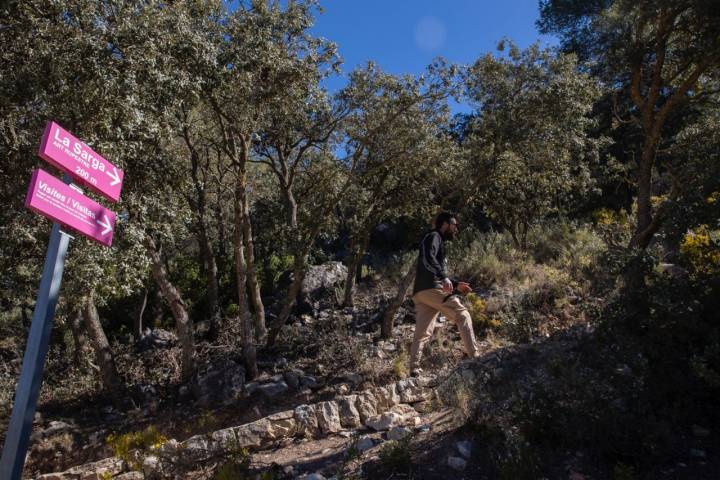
x=701, y=250
x=713, y=198
x=608, y=217
x=614, y=226
x=476, y=307
x=146, y=440
x=657, y=200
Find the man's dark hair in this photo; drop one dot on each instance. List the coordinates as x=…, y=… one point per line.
x=444, y=217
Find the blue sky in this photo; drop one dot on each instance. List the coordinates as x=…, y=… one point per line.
x=403, y=36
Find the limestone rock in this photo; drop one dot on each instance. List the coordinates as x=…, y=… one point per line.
x=364, y=443
x=456, y=463
x=263, y=432
x=150, y=466
x=410, y=390
x=464, y=448
x=273, y=389
x=130, y=476
x=387, y=397
x=109, y=466
x=282, y=424
x=157, y=338
x=307, y=424
x=292, y=378
x=308, y=381
x=223, y=440
x=385, y=421
x=349, y=415
x=219, y=383
x=195, y=449
x=313, y=476
x=366, y=406
x=328, y=416
x=324, y=276
x=398, y=433
x=54, y=428
x=406, y=411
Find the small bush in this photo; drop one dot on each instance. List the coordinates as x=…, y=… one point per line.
x=124, y=444
x=517, y=460
x=396, y=456
x=237, y=466
x=478, y=311
x=700, y=248
x=400, y=364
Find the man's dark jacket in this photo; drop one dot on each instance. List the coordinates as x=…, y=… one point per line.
x=431, y=265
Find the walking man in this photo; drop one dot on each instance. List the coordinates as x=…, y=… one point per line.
x=433, y=290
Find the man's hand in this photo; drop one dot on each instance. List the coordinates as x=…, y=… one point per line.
x=464, y=287
x=447, y=286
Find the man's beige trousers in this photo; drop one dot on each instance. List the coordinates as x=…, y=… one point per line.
x=427, y=305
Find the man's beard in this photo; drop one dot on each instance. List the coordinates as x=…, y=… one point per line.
x=449, y=236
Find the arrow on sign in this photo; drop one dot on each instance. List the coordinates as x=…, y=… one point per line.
x=106, y=224
x=114, y=175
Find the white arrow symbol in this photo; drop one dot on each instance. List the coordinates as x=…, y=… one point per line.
x=106, y=224
x=114, y=176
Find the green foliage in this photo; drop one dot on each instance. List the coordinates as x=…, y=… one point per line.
x=517, y=459
x=623, y=471
x=271, y=268
x=528, y=143
x=396, y=456
x=236, y=466
x=485, y=259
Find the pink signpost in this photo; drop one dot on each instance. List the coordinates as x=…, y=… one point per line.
x=62, y=150
x=66, y=206
x=61, y=203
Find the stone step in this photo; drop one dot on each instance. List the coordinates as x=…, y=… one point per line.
x=379, y=408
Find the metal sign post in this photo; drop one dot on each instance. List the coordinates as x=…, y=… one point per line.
x=64, y=205
x=28, y=389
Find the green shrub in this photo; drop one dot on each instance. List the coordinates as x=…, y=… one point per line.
x=236, y=465
x=485, y=259
x=396, y=456
x=517, y=460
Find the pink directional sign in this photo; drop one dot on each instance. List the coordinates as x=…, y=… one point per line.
x=59, y=202
x=61, y=149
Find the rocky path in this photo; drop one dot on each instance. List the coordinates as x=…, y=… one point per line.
x=308, y=437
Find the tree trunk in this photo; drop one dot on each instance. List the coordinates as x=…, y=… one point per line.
x=253, y=284
x=246, y=336
x=100, y=345
x=290, y=204
x=299, y=268
x=157, y=309
x=79, y=338
x=389, y=317
x=357, y=250
x=221, y=230
x=644, y=205
x=513, y=234
x=177, y=306
x=211, y=271
x=199, y=204
x=137, y=321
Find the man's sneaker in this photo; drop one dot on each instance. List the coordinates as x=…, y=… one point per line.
x=416, y=372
